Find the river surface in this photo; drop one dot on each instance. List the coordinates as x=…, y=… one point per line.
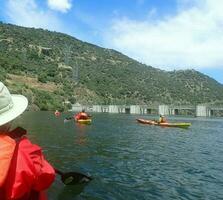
x=129, y=160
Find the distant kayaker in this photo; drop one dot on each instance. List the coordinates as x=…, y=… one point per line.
x=162, y=119
x=57, y=113
x=81, y=115
x=24, y=174
x=67, y=119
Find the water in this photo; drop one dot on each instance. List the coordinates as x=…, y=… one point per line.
x=129, y=160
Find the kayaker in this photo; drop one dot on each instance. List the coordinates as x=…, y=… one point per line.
x=67, y=119
x=81, y=115
x=162, y=119
x=57, y=113
x=24, y=174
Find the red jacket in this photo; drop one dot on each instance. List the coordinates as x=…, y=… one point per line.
x=81, y=115
x=29, y=174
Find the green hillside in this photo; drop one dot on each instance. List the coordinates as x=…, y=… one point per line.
x=53, y=69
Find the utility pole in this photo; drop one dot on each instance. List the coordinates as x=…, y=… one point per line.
x=67, y=53
x=76, y=72
x=24, y=57
x=75, y=69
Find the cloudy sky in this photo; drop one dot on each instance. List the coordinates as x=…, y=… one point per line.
x=168, y=34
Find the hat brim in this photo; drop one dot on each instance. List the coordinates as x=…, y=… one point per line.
x=20, y=104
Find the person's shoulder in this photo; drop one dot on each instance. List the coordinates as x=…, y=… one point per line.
x=27, y=146
x=17, y=132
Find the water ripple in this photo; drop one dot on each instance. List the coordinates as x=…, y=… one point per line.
x=133, y=161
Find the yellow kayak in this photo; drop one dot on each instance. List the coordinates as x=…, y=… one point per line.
x=84, y=121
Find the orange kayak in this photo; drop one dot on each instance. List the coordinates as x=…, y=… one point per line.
x=166, y=124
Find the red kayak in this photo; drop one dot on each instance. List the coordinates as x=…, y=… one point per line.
x=166, y=124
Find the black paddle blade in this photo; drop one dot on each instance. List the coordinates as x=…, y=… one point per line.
x=73, y=178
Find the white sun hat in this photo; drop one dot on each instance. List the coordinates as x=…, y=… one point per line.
x=11, y=105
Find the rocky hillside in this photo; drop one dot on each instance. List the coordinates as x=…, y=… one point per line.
x=53, y=69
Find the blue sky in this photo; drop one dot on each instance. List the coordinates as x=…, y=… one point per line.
x=167, y=34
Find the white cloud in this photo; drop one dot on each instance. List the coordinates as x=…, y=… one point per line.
x=60, y=5
x=27, y=13
x=193, y=38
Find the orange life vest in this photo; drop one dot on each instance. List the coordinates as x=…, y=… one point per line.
x=25, y=173
x=7, y=147
x=57, y=113
x=81, y=115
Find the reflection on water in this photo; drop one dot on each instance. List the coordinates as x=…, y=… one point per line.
x=81, y=134
x=62, y=192
x=130, y=160
x=69, y=192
